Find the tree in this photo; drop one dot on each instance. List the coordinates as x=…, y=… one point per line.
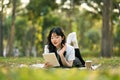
x=12, y=32
x=107, y=29
x=1, y=29
x=106, y=9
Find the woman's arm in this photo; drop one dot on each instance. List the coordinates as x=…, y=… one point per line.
x=65, y=62
x=63, y=59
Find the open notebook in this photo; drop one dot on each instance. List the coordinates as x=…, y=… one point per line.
x=50, y=57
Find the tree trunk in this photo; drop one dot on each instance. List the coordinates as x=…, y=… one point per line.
x=107, y=29
x=32, y=31
x=1, y=29
x=12, y=32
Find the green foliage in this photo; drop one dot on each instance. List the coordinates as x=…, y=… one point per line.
x=93, y=36
x=50, y=20
x=93, y=39
x=37, y=8
x=21, y=28
x=117, y=36
x=117, y=41
x=7, y=26
x=90, y=53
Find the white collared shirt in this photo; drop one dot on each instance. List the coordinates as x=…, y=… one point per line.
x=70, y=52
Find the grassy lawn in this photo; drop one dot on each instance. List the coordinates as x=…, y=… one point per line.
x=10, y=70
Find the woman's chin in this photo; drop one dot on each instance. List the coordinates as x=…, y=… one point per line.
x=55, y=45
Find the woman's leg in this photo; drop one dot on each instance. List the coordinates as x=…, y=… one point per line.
x=78, y=55
x=72, y=40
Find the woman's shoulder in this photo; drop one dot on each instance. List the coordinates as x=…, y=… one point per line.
x=69, y=46
x=46, y=45
x=46, y=50
x=70, y=49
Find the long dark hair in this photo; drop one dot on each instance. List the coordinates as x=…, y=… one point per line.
x=59, y=32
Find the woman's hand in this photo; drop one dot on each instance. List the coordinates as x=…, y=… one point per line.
x=48, y=65
x=61, y=52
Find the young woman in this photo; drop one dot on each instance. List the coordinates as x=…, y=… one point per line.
x=57, y=44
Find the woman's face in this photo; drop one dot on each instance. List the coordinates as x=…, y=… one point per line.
x=56, y=40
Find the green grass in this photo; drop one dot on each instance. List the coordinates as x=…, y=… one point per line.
x=9, y=70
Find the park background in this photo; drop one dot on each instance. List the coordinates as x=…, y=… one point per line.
x=25, y=24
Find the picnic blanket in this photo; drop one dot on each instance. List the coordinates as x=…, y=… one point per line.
x=40, y=65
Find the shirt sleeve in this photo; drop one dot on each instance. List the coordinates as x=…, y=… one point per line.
x=70, y=54
x=46, y=50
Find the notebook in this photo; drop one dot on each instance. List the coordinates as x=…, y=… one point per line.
x=50, y=57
